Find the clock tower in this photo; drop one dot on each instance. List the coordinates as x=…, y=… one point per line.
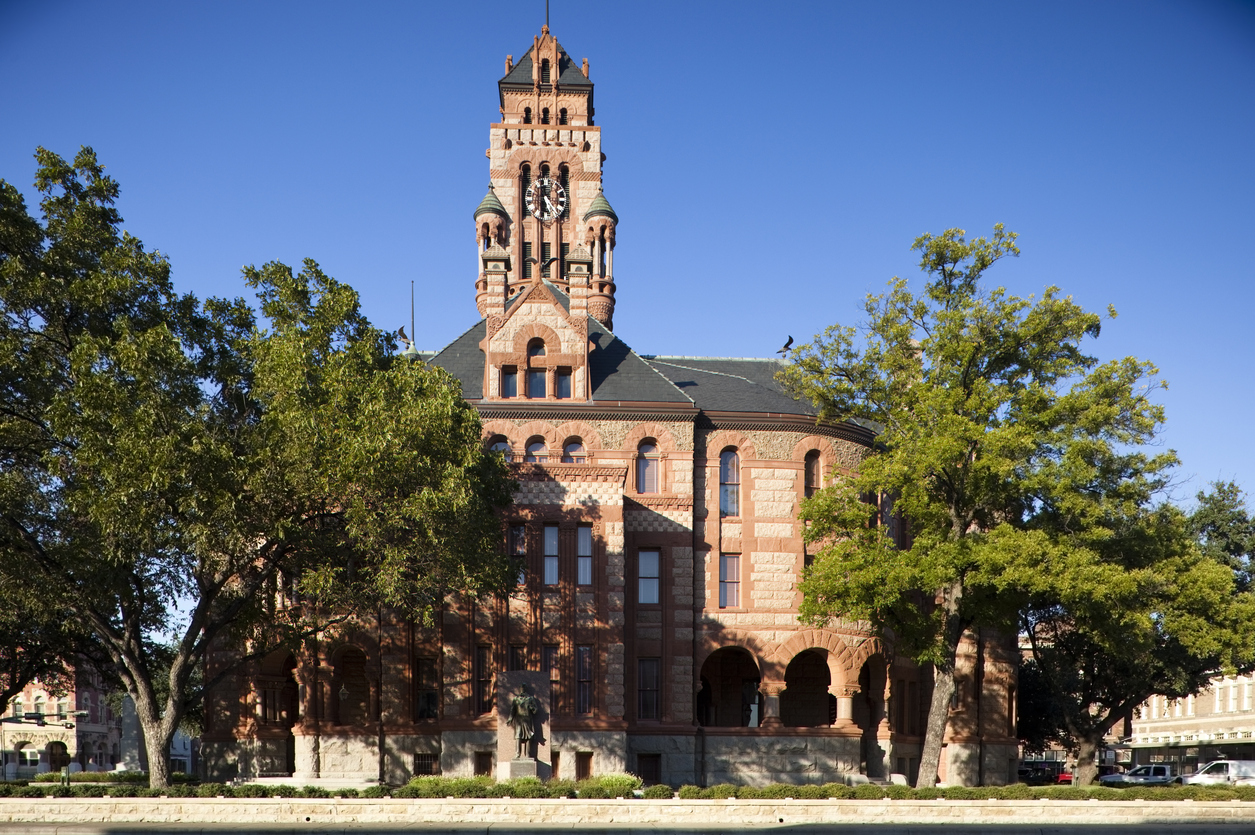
x=545, y=216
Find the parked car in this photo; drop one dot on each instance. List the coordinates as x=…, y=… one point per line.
x=1223, y=772
x=1036, y=775
x=1158, y=774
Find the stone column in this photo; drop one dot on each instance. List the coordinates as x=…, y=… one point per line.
x=771, y=704
x=845, y=705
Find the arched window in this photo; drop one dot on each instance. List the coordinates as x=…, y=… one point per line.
x=812, y=476
x=729, y=483
x=564, y=173
x=562, y=116
x=573, y=452
x=544, y=166
x=18, y=707
x=648, y=464
x=544, y=116
x=41, y=704
x=536, y=348
x=525, y=175
x=501, y=445
x=536, y=453
x=544, y=71
x=27, y=755
x=527, y=115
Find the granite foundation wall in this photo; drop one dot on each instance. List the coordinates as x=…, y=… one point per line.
x=263, y=815
x=760, y=760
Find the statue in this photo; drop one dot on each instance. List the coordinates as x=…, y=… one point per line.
x=523, y=710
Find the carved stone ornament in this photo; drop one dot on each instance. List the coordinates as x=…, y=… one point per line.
x=495, y=324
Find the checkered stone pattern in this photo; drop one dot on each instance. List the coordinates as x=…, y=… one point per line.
x=569, y=494
x=658, y=521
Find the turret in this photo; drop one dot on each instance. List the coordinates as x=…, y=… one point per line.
x=599, y=232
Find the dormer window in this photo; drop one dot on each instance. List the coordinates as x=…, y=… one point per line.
x=527, y=115
x=544, y=71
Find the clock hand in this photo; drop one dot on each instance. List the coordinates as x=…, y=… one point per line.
x=552, y=210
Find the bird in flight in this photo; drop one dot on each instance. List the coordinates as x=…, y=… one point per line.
x=405, y=339
x=785, y=349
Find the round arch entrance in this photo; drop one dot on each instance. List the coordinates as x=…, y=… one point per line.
x=729, y=696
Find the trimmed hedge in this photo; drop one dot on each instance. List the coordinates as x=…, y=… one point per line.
x=612, y=786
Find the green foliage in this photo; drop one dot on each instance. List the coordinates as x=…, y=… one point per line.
x=1026, y=469
x=157, y=449
x=252, y=790
x=690, y=792
x=214, y=790
x=1225, y=529
x=659, y=791
x=618, y=785
x=896, y=792
x=138, y=777
x=345, y=792
x=838, y=791
x=373, y=792
x=869, y=791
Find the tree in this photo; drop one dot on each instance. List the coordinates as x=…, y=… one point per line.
x=37, y=643
x=1225, y=529
x=997, y=434
x=181, y=476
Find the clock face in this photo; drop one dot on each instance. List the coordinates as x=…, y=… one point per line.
x=546, y=199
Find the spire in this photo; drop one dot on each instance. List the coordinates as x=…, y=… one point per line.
x=491, y=204
x=600, y=207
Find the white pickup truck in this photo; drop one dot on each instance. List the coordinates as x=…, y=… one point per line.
x=1223, y=773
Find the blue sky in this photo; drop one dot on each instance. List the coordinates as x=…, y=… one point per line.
x=770, y=163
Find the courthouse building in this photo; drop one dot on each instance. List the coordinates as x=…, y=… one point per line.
x=656, y=527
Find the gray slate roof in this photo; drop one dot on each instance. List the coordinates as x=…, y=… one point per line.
x=569, y=73
x=723, y=384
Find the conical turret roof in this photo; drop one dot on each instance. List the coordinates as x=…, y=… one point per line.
x=490, y=203
x=601, y=208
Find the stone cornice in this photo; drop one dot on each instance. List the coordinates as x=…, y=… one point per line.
x=550, y=410
x=769, y=421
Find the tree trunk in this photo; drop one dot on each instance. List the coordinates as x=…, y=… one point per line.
x=935, y=731
x=943, y=687
x=1086, y=770
x=157, y=744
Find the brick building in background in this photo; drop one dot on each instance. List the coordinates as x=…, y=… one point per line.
x=656, y=528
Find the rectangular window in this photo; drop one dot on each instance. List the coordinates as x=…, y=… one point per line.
x=549, y=664
x=562, y=384
x=1189, y=707
x=646, y=475
x=483, y=680
x=483, y=763
x=583, y=680
x=426, y=689
x=566, y=248
x=426, y=764
x=729, y=581
x=1246, y=695
x=518, y=658
x=536, y=383
x=648, y=673
x=1233, y=698
x=509, y=381
x=583, y=765
x=649, y=768
x=546, y=252
x=518, y=550
x=555, y=765
x=649, y=573
x=551, y=555
x=584, y=555
x=527, y=259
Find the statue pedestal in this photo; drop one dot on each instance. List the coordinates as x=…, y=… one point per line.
x=519, y=768
x=535, y=760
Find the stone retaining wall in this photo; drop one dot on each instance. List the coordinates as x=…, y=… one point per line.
x=245, y=815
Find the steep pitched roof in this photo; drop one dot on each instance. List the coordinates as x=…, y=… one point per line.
x=520, y=75
x=730, y=384
x=619, y=373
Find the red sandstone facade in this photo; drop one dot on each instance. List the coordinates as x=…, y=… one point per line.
x=656, y=528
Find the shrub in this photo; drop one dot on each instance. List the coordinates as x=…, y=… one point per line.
x=561, y=788
x=720, y=791
x=374, y=792
x=929, y=793
x=661, y=791
x=960, y=793
x=345, y=792
x=281, y=791
x=214, y=790
x=123, y=791
x=618, y=785
x=869, y=791
x=87, y=791
x=1019, y=791
x=313, y=791
x=592, y=790
x=527, y=787
x=811, y=793
x=29, y=791
x=896, y=792
x=252, y=790
x=838, y=791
